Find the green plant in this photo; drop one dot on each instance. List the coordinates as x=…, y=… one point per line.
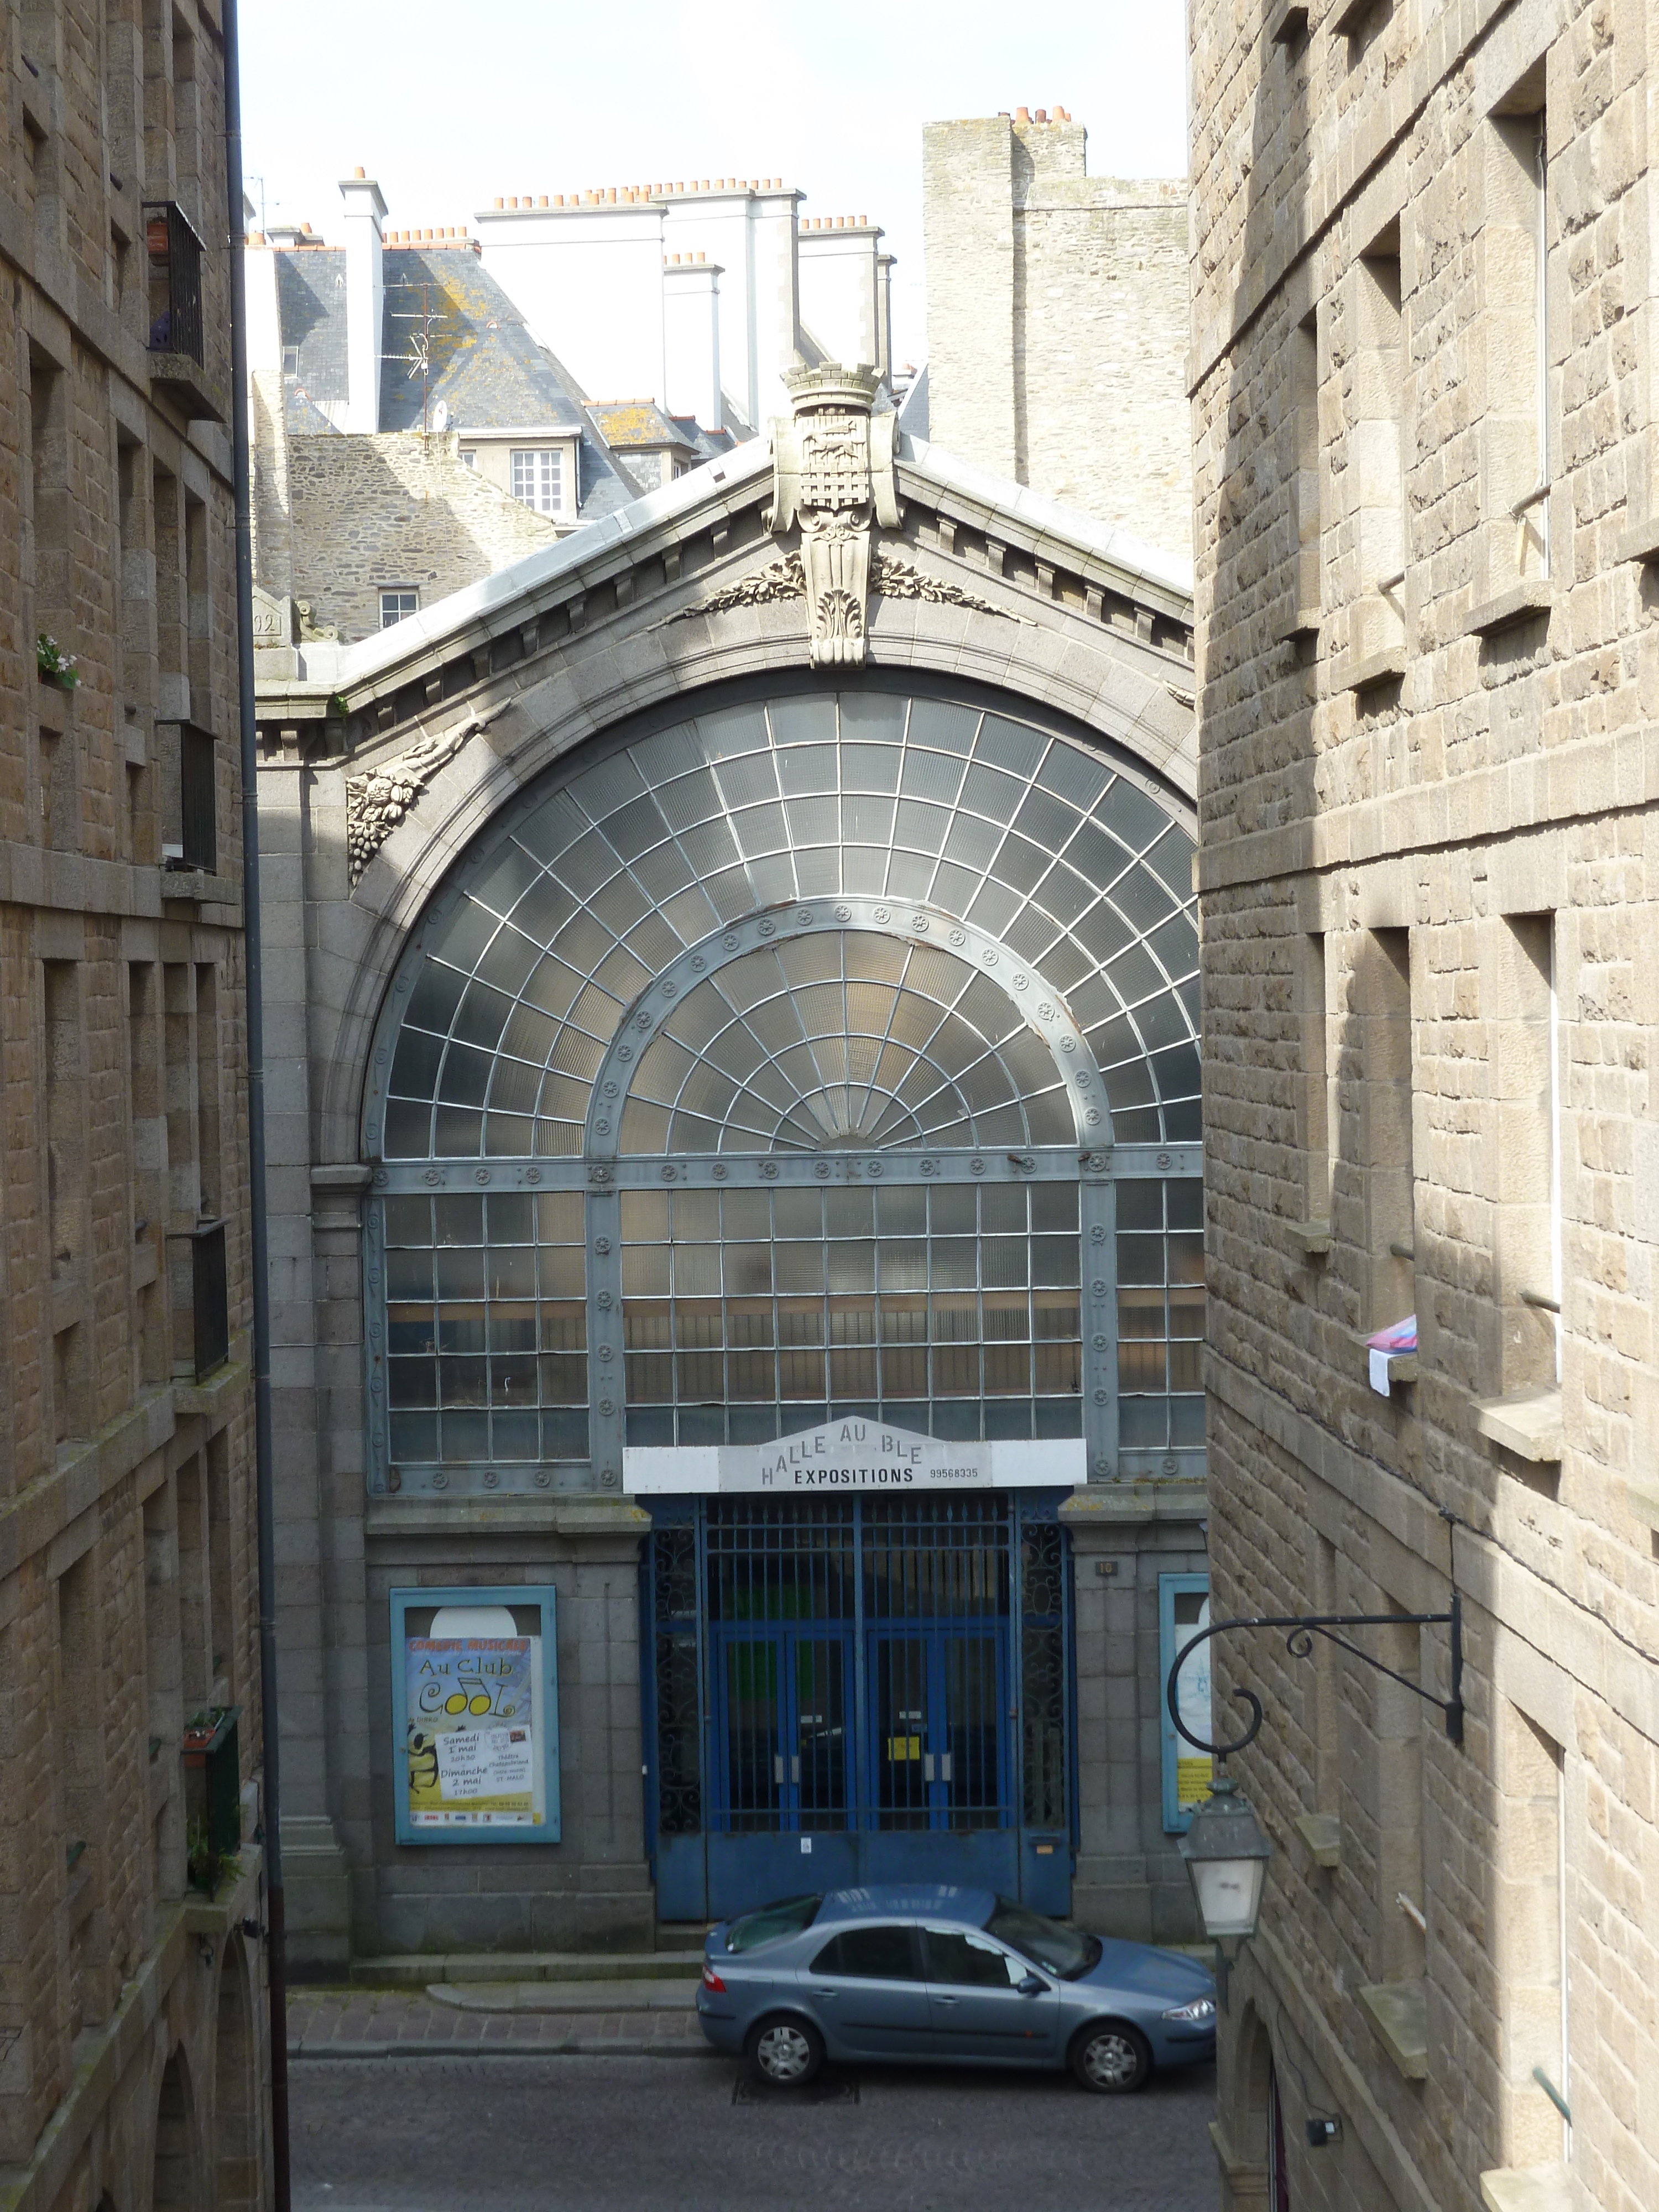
x=207, y=1867
x=54, y=664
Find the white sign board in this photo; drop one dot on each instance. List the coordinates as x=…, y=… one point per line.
x=485, y=1763
x=855, y=1453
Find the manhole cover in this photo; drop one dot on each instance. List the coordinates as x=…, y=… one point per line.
x=829, y=2088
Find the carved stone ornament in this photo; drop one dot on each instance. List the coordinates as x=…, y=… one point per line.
x=833, y=476
x=889, y=579
x=377, y=802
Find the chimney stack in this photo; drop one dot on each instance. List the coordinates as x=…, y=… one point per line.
x=365, y=213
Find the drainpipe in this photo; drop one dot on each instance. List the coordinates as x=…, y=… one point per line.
x=259, y=1242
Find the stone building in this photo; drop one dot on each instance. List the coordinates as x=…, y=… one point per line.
x=131, y=2004
x=795, y=868
x=1057, y=321
x=1424, y=285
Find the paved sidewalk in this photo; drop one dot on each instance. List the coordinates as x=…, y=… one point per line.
x=390, y=2023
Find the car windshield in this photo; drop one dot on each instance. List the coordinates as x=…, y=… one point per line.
x=1064, y=1951
x=788, y=1917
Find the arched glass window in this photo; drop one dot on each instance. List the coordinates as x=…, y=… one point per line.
x=594, y=888
x=772, y=955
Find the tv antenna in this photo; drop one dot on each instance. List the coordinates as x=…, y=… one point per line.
x=417, y=361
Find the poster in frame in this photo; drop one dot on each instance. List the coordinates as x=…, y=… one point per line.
x=475, y=1718
x=1183, y=1609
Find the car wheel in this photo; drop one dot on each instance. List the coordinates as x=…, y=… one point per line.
x=784, y=2052
x=1111, y=2058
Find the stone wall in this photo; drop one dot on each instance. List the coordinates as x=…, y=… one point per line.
x=1428, y=808
x=1057, y=322
x=396, y=508
x=126, y=1488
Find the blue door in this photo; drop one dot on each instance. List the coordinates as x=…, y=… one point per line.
x=781, y=1705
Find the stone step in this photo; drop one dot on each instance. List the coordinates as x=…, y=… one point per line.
x=646, y=1994
x=420, y=1970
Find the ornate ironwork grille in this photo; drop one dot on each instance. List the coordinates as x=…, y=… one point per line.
x=885, y=1665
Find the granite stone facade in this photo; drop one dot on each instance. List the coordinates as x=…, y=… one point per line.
x=1057, y=321
x=1422, y=311
x=682, y=601
x=131, y=2003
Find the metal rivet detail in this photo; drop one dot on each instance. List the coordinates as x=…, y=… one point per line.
x=843, y=914
x=930, y=1167
x=883, y=914
x=990, y=959
x=1093, y=1116
x=1098, y=1342
x=610, y=1090
x=607, y=1407
x=807, y=917
x=1098, y=1286
x=768, y=928
x=669, y=989
x=607, y=1351
x=602, y=1245
x=698, y=963
x=532, y=1174
x=624, y=1052
x=643, y=1022
x=1167, y=1464
x=958, y=937
x=821, y=1170
x=1102, y=1465
x=1096, y=1235
x=1163, y=1159
x=433, y=1176
x=602, y=1129
x=730, y=940
x=1100, y=1397
x=481, y=1176
x=441, y=1480
x=609, y=1477
x=670, y=1173
x=719, y=1171
x=919, y=923
x=491, y=1478
x=1020, y=981
x=544, y=1478
x=768, y=1168
x=603, y=1301
x=874, y=1167
x=381, y=1179
x=978, y=1166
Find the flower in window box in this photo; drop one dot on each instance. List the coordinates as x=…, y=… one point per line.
x=54, y=665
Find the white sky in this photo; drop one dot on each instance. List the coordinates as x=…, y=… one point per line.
x=448, y=105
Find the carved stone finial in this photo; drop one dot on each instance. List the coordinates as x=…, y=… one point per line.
x=833, y=474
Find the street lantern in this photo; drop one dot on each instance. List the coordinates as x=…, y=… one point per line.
x=1226, y=1855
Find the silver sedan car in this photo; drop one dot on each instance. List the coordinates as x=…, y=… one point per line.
x=931, y=1974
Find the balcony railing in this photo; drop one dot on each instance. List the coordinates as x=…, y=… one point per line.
x=197, y=799
x=175, y=254
x=210, y=1297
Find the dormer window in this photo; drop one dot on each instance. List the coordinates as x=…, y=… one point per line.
x=539, y=478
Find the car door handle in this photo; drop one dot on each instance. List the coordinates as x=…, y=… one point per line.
x=826, y=1993
x=938, y=1999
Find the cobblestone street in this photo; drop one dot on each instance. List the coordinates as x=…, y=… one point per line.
x=542, y=2133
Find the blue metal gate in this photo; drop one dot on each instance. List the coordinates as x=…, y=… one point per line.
x=857, y=1690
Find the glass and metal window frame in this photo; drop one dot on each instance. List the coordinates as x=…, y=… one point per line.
x=600, y=1171
x=398, y=603
x=539, y=478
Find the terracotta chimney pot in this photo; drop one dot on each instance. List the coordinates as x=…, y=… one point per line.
x=359, y=171
x=1022, y=115
x=498, y=202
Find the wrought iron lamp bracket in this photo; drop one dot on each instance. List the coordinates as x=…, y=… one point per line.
x=1300, y=1631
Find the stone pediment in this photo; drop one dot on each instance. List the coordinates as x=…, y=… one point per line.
x=838, y=544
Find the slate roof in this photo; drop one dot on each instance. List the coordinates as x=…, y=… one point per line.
x=482, y=361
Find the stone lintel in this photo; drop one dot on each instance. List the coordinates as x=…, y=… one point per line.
x=1311, y=1238
x=1322, y=1834
x=1399, y=2013
x=1522, y=602
x=1106, y=1506
x=1359, y=673
x=1528, y=1424
x=1527, y=2189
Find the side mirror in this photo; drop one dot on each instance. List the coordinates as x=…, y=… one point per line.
x=1032, y=1986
